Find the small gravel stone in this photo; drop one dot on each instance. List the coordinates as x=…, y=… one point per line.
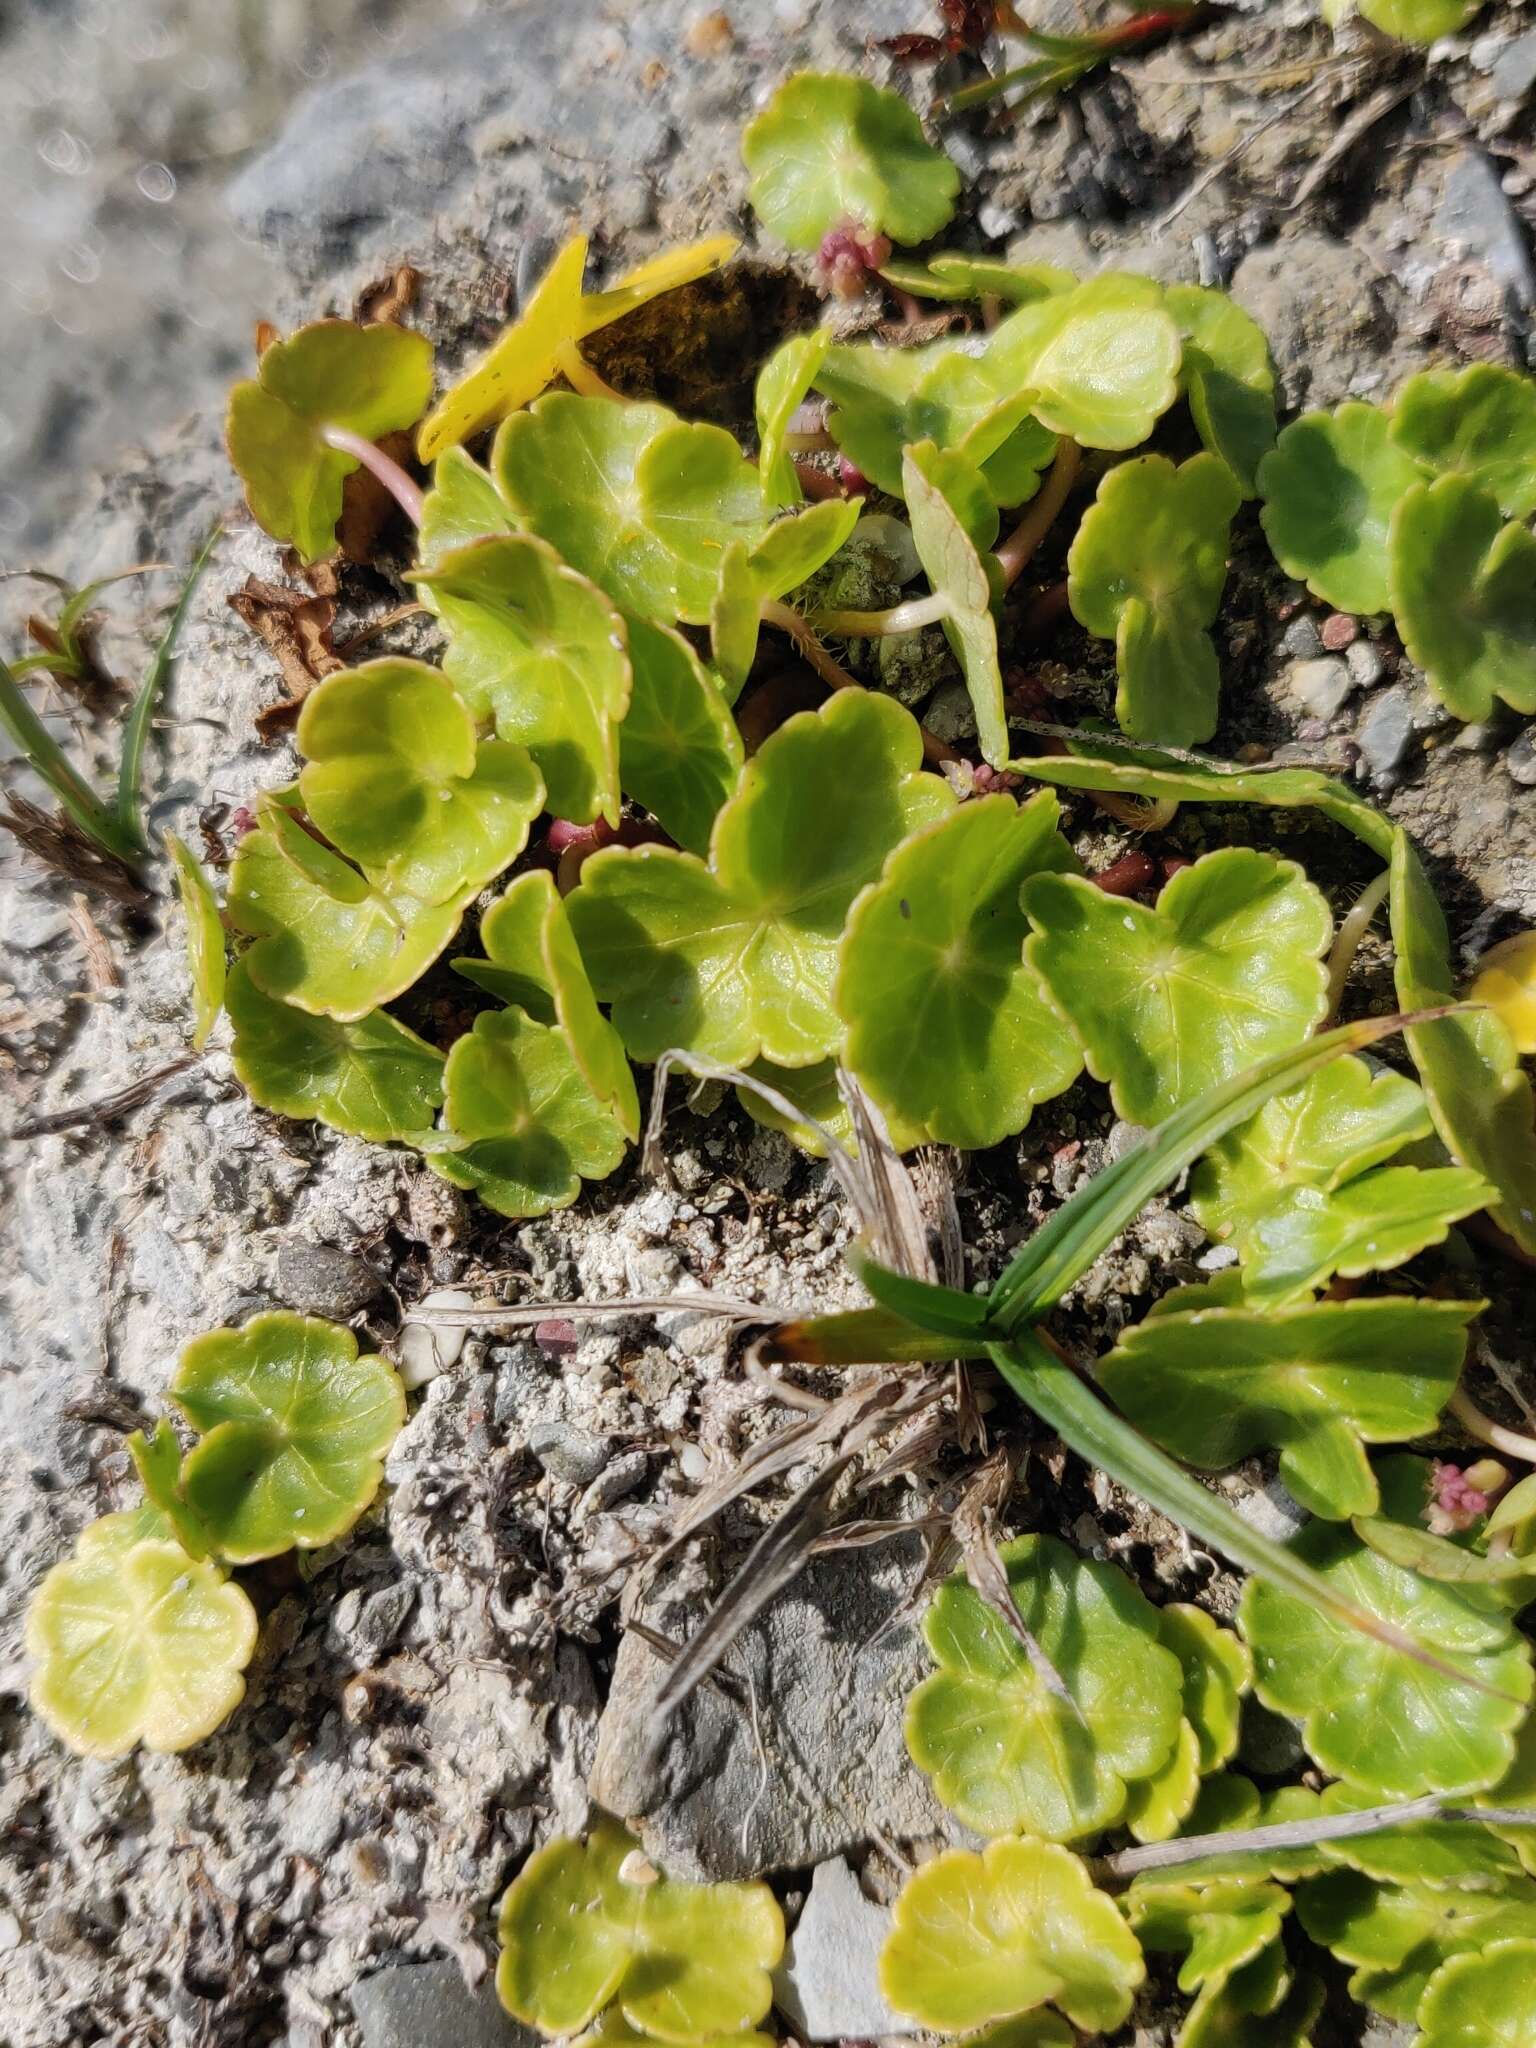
x=1385, y=732
x=1339, y=630
x=1479, y=738
x=1520, y=758
x=1365, y=663
x=383, y=1615
x=319, y=1280
x=411, y=2004
x=567, y=1453
x=1321, y=685
x=1301, y=639
x=828, y=1985
x=426, y=1350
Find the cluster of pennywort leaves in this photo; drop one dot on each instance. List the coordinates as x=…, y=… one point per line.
x=142, y=1635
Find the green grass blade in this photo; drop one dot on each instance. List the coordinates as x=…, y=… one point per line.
x=1051, y=1389
x=129, y=818
x=42, y=752
x=1063, y=1249
x=945, y=1311
x=863, y=1336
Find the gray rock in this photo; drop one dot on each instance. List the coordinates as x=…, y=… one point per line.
x=828, y=1985
x=319, y=1280
x=1366, y=664
x=1322, y=685
x=1475, y=213
x=1520, y=758
x=571, y=1455
x=1386, y=730
x=1301, y=639
x=830, y=1692
x=1514, y=70
x=383, y=1615
x=428, y=2005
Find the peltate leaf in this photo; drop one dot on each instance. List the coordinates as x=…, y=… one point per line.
x=1425, y=1731
x=293, y=1429
x=680, y=753
x=1397, y=1936
x=638, y=500
x=1102, y=361
x=205, y=939
x=136, y=1641
x=830, y=149
x=680, y=1961
x=462, y=506
x=1147, y=570
x=1478, y=1093
x=530, y=1126
x=1482, y=2001
x=541, y=652
x=1005, y=1752
x=1479, y=423
x=157, y=1460
x=327, y=944
x=1216, y=1926
x=982, y=1938
x=1262, y=2005
x=1330, y=486
x=1217, y=1670
x=370, y=1077
x=370, y=380
x=1228, y=378
x=734, y=957
x=396, y=779
x=1213, y=1384
x=947, y=1028
x=1169, y=1002
x=1463, y=591
x=959, y=577
x=1420, y=21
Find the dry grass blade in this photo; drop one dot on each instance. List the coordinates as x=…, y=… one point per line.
x=974, y=1524
x=100, y=966
x=882, y=1192
x=864, y=1535
x=493, y=1315
x=106, y=1109
x=53, y=839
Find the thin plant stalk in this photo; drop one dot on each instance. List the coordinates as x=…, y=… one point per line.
x=1487, y=1431
x=43, y=754
x=909, y=617
x=1040, y=516
x=807, y=644
x=1352, y=929
x=407, y=494
x=130, y=798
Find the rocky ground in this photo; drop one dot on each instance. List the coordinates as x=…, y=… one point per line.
x=432, y=1697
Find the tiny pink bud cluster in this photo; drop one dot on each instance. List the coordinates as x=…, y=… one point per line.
x=849, y=256
x=1459, y=1497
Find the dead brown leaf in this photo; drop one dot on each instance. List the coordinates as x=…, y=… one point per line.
x=100, y=967
x=266, y=334
x=58, y=843
x=387, y=297
x=296, y=625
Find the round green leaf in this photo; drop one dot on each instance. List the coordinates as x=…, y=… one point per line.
x=1463, y=588
x=1317, y=1381
x=1260, y=2005
x=947, y=1028
x=681, y=1962
x=370, y=1077
x=982, y=1938
x=790, y=552
x=539, y=650
x=462, y=506
x=1330, y=486
x=959, y=577
x=1217, y=1672
x=528, y=933
x=735, y=957
x=1482, y=2001
x=1464, y=1855
x=337, y=955
x=157, y=1460
x=638, y=500
x=1398, y=1936
x=1147, y=569
x=680, y=753
x=1479, y=423
x=293, y=1427
x=1171, y=1001
x=530, y=1126
x=370, y=380
x=1216, y=1926
x=205, y=939
x=1004, y=1751
x=1107, y=365
x=395, y=778
x=1424, y=1731
x=830, y=148
x=1156, y=1807
x=782, y=384
x=1228, y=378
x=135, y=1641
x=1420, y=21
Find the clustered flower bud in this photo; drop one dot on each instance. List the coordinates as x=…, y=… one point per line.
x=1461, y=1496
x=849, y=256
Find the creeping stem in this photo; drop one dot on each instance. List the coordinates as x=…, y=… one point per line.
x=897, y=618
x=1487, y=1431
x=1352, y=929
x=406, y=494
